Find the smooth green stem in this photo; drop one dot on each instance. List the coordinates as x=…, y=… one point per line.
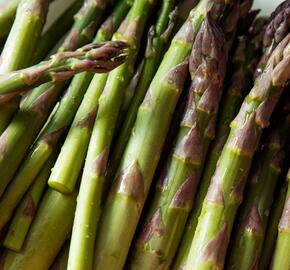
x=60, y=263
x=7, y=16
x=74, y=149
x=50, y=228
x=157, y=39
x=26, y=210
x=92, y=183
x=281, y=258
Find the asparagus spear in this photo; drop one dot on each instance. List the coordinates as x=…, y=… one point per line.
x=63, y=178
x=246, y=246
x=60, y=263
x=157, y=39
x=173, y=198
x=20, y=46
x=130, y=188
x=281, y=259
x=209, y=245
x=277, y=29
x=28, y=122
x=26, y=210
x=56, y=31
x=94, y=57
x=50, y=229
x=7, y=15
x=272, y=228
x=246, y=54
x=91, y=189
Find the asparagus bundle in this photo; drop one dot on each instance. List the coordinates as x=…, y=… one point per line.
x=94, y=57
x=158, y=37
x=247, y=52
x=159, y=238
x=281, y=259
x=19, y=47
x=245, y=251
x=34, y=109
x=127, y=196
x=26, y=210
x=209, y=245
x=63, y=178
x=29, y=120
x=272, y=228
x=92, y=182
x=50, y=229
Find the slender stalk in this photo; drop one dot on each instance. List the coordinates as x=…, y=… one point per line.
x=7, y=16
x=49, y=230
x=74, y=149
x=174, y=194
x=94, y=57
x=225, y=193
x=246, y=246
x=130, y=188
x=92, y=183
x=20, y=46
x=281, y=259
x=26, y=210
x=239, y=83
x=158, y=38
x=26, y=125
x=56, y=31
x=272, y=228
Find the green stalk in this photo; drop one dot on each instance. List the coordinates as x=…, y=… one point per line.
x=92, y=183
x=225, y=193
x=272, y=228
x=246, y=246
x=281, y=259
x=26, y=210
x=60, y=263
x=94, y=57
x=74, y=149
x=20, y=46
x=7, y=16
x=160, y=235
x=26, y=125
x=158, y=38
x=49, y=230
x=56, y=31
x=240, y=78
x=130, y=188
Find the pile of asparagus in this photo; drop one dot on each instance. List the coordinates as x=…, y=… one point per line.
x=144, y=134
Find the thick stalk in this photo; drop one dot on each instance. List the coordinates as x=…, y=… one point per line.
x=239, y=78
x=92, y=182
x=246, y=246
x=7, y=16
x=20, y=46
x=281, y=259
x=60, y=263
x=94, y=57
x=49, y=230
x=130, y=188
x=74, y=149
x=272, y=228
x=225, y=193
x=56, y=31
x=25, y=126
x=160, y=235
x=26, y=210
x=158, y=37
